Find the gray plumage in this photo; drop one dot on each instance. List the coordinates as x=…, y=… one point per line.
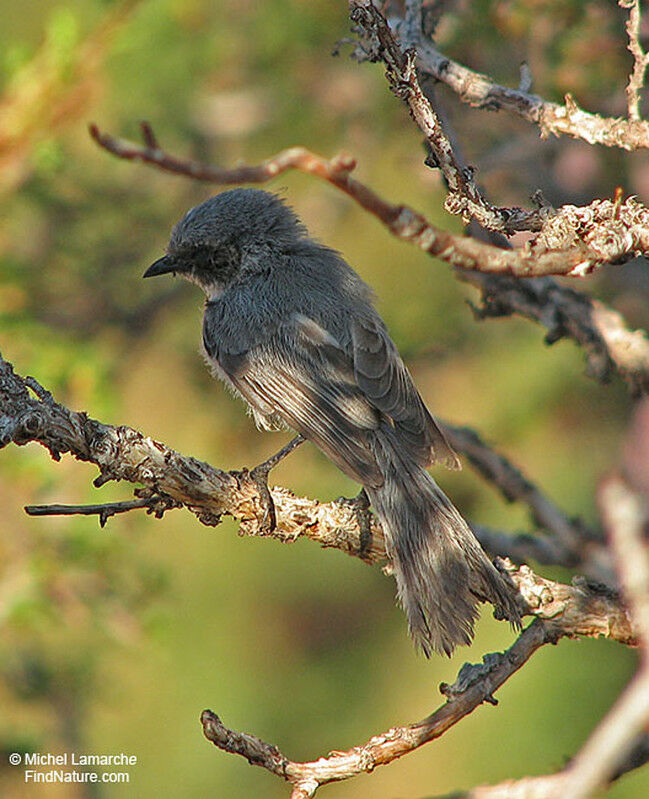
x=292, y=329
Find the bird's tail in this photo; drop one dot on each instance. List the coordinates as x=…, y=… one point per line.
x=441, y=570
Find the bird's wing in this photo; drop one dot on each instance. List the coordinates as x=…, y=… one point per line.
x=385, y=381
x=301, y=373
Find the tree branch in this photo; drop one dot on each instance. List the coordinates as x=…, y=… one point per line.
x=619, y=743
x=465, y=197
x=579, y=612
x=571, y=241
x=570, y=534
x=480, y=91
x=123, y=453
x=640, y=59
x=156, y=505
x=524, y=547
x=172, y=479
x=609, y=344
x=574, y=242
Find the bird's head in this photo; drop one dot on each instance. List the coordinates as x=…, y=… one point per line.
x=226, y=236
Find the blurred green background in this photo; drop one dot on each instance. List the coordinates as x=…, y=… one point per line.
x=114, y=640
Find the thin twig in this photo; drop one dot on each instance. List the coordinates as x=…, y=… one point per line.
x=640, y=59
x=156, y=505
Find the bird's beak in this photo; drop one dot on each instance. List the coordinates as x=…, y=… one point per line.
x=161, y=267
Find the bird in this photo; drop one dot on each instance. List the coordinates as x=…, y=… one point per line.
x=292, y=329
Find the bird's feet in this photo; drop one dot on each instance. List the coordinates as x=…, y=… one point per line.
x=361, y=507
x=259, y=477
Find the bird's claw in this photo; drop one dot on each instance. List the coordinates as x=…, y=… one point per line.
x=361, y=506
x=259, y=476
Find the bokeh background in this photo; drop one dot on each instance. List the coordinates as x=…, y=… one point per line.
x=114, y=640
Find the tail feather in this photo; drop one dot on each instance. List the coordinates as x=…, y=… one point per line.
x=441, y=570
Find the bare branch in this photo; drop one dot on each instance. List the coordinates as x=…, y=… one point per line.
x=480, y=91
x=625, y=515
x=464, y=198
x=474, y=685
x=575, y=241
x=523, y=547
x=601, y=332
x=613, y=746
x=335, y=171
x=582, y=609
x=570, y=534
x=609, y=345
x=611, y=741
x=123, y=453
x=156, y=505
x=585, y=608
x=640, y=59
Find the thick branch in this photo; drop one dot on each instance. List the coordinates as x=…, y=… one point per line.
x=582, y=609
x=619, y=742
x=123, y=453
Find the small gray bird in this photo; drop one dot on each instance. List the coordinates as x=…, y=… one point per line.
x=291, y=328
